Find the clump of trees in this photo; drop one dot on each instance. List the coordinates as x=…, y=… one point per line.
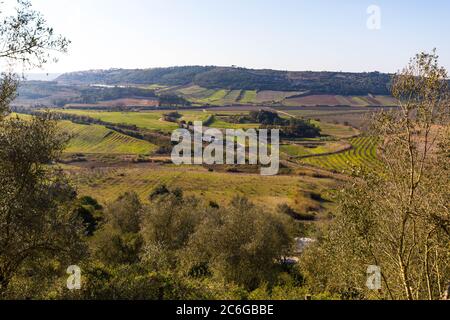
x=173, y=100
x=172, y=116
x=263, y=117
x=178, y=247
x=266, y=117
x=181, y=233
x=291, y=128
x=299, y=128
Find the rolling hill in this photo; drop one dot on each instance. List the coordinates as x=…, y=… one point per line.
x=231, y=78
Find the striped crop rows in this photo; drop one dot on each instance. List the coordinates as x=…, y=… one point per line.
x=363, y=154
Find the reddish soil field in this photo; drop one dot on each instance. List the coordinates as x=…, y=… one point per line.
x=314, y=100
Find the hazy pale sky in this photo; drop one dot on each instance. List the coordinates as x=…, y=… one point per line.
x=278, y=34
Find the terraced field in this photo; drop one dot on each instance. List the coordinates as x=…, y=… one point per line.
x=363, y=154
x=199, y=95
x=95, y=139
x=248, y=97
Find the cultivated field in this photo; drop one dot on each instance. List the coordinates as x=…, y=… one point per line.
x=146, y=120
x=273, y=96
x=313, y=148
x=107, y=183
x=313, y=164
x=95, y=139
x=357, y=117
x=152, y=120
x=223, y=97
x=332, y=100
x=363, y=154
x=131, y=102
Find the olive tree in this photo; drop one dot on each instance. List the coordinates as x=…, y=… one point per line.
x=118, y=240
x=397, y=218
x=36, y=216
x=241, y=244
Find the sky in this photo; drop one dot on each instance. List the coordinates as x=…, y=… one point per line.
x=297, y=35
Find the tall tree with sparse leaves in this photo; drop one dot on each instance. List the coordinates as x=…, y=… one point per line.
x=398, y=218
x=36, y=216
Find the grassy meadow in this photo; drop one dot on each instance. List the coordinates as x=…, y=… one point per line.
x=107, y=183
x=144, y=120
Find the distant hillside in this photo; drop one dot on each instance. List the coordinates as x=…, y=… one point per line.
x=335, y=83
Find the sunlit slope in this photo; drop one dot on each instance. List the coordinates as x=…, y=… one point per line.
x=363, y=154
x=99, y=139
x=145, y=120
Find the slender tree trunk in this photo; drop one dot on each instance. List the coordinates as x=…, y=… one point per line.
x=403, y=271
x=4, y=283
x=438, y=273
x=405, y=281
x=427, y=272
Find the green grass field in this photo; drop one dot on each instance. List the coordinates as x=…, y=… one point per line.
x=249, y=97
x=231, y=97
x=221, y=124
x=106, y=184
x=336, y=130
x=144, y=120
x=298, y=150
x=152, y=120
x=95, y=139
x=363, y=154
x=218, y=97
